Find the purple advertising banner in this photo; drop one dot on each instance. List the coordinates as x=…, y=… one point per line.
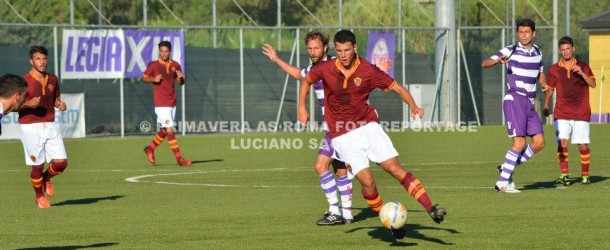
x=142, y=47
x=108, y=54
x=381, y=46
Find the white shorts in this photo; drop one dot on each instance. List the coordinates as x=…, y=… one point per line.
x=365, y=143
x=578, y=129
x=42, y=142
x=165, y=116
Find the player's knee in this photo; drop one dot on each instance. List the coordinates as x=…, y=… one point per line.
x=321, y=168
x=583, y=147
x=60, y=165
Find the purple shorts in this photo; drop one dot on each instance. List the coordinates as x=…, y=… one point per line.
x=521, y=116
x=326, y=148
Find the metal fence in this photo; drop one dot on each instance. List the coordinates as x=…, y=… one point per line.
x=235, y=85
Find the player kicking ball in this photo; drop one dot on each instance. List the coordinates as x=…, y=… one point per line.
x=162, y=74
x=354, y=125
x=39, y=135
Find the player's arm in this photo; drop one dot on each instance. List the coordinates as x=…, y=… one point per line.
x=180, y=76
x=149, y=79
x=302, y=114
x=547, y=100
x=498, y=58
x=405, y=95
x=542, y=81
x=31, y=102
x=293, y=71
x=493, y=61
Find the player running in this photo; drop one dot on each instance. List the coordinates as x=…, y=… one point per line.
x=39, y=135
x=162, y=74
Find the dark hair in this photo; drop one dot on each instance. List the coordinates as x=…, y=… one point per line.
x=11, y=84
x=344, y=36
x=566, y=40
x=165, y=44
x=526, y=22
x=314, y=34
x=38, y=49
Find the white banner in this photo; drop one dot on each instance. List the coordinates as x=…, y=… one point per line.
x=71, y=122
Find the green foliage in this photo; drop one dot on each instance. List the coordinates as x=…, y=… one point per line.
x=377, y=13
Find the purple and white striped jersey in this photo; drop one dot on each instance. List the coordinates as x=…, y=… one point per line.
x=523, y=68
x=318, y=86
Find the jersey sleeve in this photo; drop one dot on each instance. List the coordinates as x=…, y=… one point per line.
x=149, y=70
x=57, y=90
x=503, y=52
x=314, y=75
x=587, y=70
x=381, y=80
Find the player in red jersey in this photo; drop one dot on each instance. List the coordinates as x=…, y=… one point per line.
x=572, y=80
x=162, y=74
x=354, y=125
x=39, y=135
x=12, y=94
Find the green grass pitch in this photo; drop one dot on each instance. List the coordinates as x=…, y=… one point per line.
x=271, y=199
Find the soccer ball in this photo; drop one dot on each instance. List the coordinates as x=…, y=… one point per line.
x=393, y=215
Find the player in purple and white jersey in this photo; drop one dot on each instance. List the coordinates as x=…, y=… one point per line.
x=524, y=67
x=317, y=46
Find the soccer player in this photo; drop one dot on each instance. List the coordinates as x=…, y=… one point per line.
x=572, y=79
x=524, y=67
x=12, y=94
x=39, y=135
x=317, y=47
x=162, y=74
x=354, y=125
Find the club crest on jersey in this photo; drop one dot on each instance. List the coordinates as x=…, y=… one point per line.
x=357, y=81
x=33, y=158
x=173, y=68
x=50, y=87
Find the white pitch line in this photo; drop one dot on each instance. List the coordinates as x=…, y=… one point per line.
x=137, y=179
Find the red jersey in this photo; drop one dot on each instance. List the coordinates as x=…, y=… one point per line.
x=48, y=90
x=347, y=96
x=572, y=102
x=164, y=91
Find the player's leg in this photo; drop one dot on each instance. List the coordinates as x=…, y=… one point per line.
x=580, y=136
x=55, y=151
x=349, y=148
x=534, y=129
x=564, y=129
x=169, y=124
x=329, y=186
x=150, y=149
x=516, y=126
x=344, y=185
x=33, y=147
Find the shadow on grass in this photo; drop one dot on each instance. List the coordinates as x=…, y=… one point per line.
x=412, y=230
x=86, y=201
x=206, y=161
x=97, y=245
x=194, y=162
x=575, y=181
